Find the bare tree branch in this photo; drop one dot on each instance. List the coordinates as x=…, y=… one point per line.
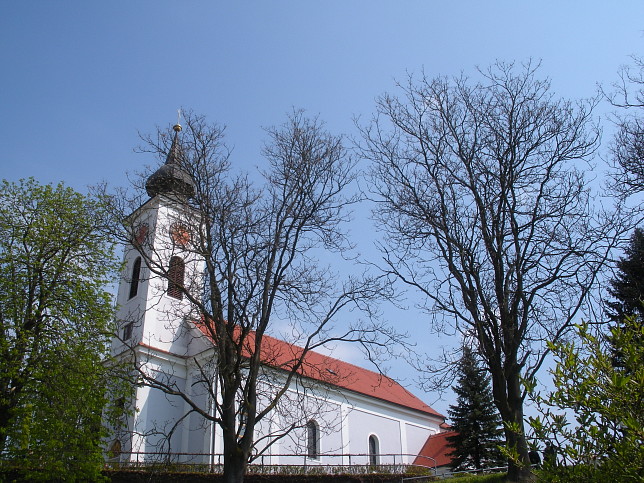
x=627, y=148
x=482, y=195
x=255, y=255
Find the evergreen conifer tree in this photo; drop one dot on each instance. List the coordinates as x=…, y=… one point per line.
x=627, y=289
x=474, y=418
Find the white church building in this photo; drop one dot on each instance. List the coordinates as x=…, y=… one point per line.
x=355, y=416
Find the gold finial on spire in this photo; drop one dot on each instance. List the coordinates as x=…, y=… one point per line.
x=177, y=126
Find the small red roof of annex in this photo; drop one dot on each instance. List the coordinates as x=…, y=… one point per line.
x=436, y=450
x=326, y=369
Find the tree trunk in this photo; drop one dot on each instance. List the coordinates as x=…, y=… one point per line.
x=518, y=470
x=235, y=458
x=5, y=417
x=234, y=465
x=506, y=387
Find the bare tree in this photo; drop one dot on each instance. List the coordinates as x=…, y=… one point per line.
x=260, y=248
x=628, y=146
x=486, y=211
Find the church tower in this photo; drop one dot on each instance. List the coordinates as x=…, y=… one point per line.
x=161, y=264
x=174, y=410
x=162, y=272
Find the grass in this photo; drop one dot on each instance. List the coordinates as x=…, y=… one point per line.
x=493, y=478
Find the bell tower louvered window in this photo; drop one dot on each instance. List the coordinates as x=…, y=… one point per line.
x=176, y=275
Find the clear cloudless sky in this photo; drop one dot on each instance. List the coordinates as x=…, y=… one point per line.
x=80, y=79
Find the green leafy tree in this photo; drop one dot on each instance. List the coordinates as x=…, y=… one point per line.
x=55, y=323
x=474, y=419
x=595, y=415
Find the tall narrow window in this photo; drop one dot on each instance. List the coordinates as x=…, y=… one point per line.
x=136, y=275
x=176, y=274
x=374, y=450
x=127, y=331
x=313, y=439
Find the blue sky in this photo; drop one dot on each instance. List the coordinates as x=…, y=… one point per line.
x=80, y=79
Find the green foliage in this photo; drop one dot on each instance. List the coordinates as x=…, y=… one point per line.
x=474, y=418
x=418, y=471
x=627, y=287
x=595, y=416
x=468, y=478
x=148, y=475
x=56, y=320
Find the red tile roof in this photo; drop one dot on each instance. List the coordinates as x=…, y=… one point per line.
x=436, y=449
x=282, y=355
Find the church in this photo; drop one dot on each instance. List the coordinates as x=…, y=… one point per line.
x=333, y=413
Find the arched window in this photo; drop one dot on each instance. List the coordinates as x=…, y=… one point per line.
x=136, y=275
x=313, y=439
x=374, y=451
x=176, y=274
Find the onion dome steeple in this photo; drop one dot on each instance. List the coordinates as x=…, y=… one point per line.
x=170, y=178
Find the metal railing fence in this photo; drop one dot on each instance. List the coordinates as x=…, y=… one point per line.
x=335, y=463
